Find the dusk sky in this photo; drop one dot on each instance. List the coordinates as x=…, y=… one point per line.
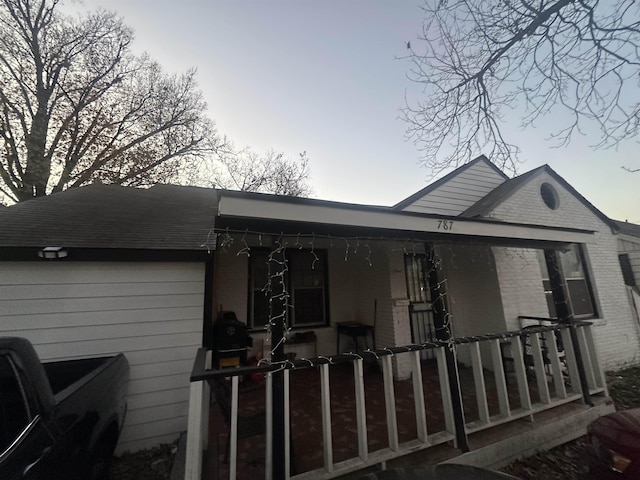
x=325, y=77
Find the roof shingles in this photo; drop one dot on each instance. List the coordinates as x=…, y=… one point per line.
x=164, y=217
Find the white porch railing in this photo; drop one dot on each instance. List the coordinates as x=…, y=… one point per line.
x=550, y=380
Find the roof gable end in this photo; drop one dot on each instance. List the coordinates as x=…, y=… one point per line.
x=457, y=191
x=485, y=206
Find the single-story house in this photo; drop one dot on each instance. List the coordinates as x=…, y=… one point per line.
x=146, y=272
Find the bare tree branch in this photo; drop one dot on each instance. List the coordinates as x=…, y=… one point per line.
x=269, y=173
x=76, y=106
x=480, y=60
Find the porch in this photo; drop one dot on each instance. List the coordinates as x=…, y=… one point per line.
x=347, y=413
x=426, y=292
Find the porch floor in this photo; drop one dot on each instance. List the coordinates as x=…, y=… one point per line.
x=306, y=419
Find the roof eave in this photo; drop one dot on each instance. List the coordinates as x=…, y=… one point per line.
x=235, y=211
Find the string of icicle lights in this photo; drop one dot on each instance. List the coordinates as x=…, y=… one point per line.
x=278, y=267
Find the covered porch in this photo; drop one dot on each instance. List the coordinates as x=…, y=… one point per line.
x=433, y=290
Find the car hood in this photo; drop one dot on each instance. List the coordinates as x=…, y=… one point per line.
x=619, y=430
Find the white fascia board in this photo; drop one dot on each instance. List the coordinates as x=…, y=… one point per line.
x=265, y=209
x=628, y=238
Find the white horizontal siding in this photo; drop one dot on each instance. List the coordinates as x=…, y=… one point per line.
x=152, y=312
x=146, y=400
x=83, y=290
x=133, y=332
x=459, y=192
x=77, y=319
x=151, y=356
x=70, y=304
x=165, y=412
x=21, y=273
x=146, y=435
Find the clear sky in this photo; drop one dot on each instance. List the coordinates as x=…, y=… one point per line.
x=324, y=77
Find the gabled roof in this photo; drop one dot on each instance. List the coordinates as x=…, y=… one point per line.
x=164, y=217
x=489, y=203
x=438, y=183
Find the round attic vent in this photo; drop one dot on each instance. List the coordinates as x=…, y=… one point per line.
x=549, y=196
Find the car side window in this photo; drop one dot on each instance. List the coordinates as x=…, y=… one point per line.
x=14, y=414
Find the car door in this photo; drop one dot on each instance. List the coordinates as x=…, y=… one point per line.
x=25, y=442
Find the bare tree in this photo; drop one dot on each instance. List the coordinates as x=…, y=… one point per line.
x=574, y=59
x=268, y=173
x=76, y=106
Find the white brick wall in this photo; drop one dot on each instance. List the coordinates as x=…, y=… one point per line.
x=473, y=296
x=616, y=332
x=520, y=285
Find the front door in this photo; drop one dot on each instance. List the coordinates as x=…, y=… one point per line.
x=417, y=268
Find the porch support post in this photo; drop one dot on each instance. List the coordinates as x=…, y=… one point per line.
x=278, y=318
x=565, y=316
x=443, y=333
x=207, y=325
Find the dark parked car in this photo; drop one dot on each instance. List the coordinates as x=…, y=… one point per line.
x=615, y=442
x=58, y=420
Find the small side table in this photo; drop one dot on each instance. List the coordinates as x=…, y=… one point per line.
x=355, y=331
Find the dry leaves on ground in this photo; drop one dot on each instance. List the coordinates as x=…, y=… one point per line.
x=568, y=461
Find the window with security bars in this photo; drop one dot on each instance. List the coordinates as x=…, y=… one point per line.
x=416, y=270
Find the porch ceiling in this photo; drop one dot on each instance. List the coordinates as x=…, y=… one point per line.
x=239, y=210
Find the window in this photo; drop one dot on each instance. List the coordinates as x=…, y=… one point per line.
x=14, y=414
x=258, y=294
x=627, y=270
x=549, y=196
x=577, y=286
x=306, y=281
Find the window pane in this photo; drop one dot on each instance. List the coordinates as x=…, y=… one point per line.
x=259, y=269
x=577, y=288
x=260, y=309
x=571, y=265
x=580, y=298
x=627, y=270
x=307, y=280
x=309, y=306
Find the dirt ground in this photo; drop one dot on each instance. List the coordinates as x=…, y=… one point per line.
x=152, y=464
x=566, y=462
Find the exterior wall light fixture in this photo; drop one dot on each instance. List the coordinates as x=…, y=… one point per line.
x=52, y=253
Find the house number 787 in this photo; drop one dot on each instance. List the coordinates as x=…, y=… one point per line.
x=445, y=224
